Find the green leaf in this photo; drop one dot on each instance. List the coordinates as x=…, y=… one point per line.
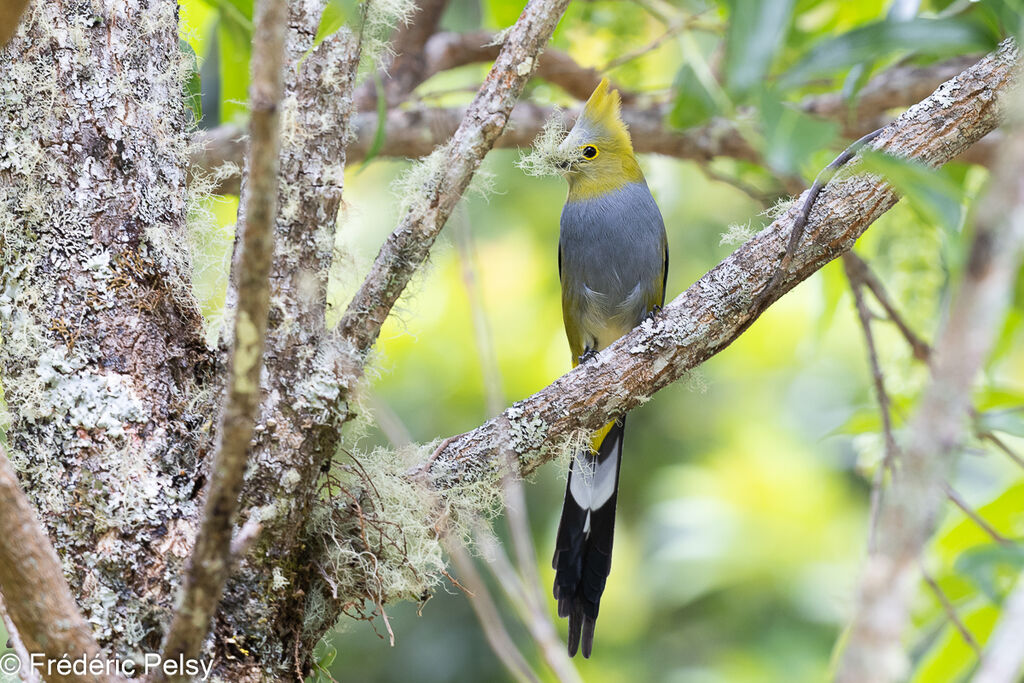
x=237, y=17
x=336, y=14
x=328, y=658
x=234, y=48
x=756, y=30
x=930, y=191
x=1007, y=13
x=992, y=568
x=193, y=86
x=790, y=136
x=885, y=38
x=693, y=105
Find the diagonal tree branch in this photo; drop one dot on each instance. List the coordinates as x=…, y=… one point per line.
x=448, y=174
x=709, y=315
x=210, y=562
x=37, y=597
x=873, y=651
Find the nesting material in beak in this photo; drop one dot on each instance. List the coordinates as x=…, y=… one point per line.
x=548, y=157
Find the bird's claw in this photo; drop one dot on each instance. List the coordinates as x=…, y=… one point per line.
x=587, y=354
x=653, y=313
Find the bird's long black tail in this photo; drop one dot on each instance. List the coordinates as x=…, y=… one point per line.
x=583, y=549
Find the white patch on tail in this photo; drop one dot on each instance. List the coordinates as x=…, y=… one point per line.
x=593, y=483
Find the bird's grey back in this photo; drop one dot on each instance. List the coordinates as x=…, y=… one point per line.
x=612, y=251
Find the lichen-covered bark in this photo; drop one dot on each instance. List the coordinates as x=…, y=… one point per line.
x=210, y=563
x=102, y=358
x=260, y=622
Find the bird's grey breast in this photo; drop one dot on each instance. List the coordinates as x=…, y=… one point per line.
x=612, y=254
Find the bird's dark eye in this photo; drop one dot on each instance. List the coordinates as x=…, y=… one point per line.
x=589, y=152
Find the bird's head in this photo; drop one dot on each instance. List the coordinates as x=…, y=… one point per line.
x=599, y=147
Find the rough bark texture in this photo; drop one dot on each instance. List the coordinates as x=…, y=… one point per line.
x=709, y=315
x=210, y=563
x=259, y=628
x=103, y=359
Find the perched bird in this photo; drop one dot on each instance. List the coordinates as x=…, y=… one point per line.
x=612, y=262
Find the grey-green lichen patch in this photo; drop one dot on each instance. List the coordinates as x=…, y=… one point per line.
x=83, y=398
x=526, y=432
x=333, y=369
x=96, y=317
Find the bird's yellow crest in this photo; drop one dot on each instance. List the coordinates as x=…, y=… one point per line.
x=603, y=115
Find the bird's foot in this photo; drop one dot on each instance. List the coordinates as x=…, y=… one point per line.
x=587, y=354
x=653, y=313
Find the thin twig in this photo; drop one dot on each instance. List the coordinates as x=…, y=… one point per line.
x=523, y=585
x=515, y=497
x=765, y=199
x=14, y=642
x=1001, y=445
x=974, y=516
x=674, y=28
x=950, y=611
x=210, y=563
x=920, y=348
x=535, y=617
x=854, y=275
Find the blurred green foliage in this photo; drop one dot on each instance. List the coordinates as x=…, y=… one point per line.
x=743, y=506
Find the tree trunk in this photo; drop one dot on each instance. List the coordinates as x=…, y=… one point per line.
x=103, y=360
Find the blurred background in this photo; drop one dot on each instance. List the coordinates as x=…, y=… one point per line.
x=744, y=495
